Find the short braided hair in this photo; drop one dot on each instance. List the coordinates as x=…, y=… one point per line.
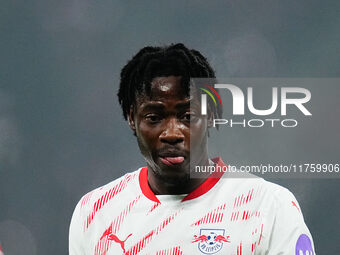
x=150, y=62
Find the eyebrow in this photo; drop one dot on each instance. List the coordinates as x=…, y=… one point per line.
x=152, y=106
x=190, y=103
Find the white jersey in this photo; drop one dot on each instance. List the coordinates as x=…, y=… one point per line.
x=229, y=216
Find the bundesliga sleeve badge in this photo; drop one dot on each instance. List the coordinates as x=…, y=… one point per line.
x=304, y=246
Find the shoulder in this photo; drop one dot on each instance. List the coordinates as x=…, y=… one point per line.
x=279, y=198
x=278, y=204
x=93, y=203
x=284, y=222
x=268, y=195
x=95, y=199
x=282, y=197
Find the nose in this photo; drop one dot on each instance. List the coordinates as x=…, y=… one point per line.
x=172, y=133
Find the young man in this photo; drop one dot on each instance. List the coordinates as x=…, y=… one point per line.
x=159, y=209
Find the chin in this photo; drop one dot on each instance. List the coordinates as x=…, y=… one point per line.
x=174, y=178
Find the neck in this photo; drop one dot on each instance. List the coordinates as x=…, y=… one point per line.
x=185, y=185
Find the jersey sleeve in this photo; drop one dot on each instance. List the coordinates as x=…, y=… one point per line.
x=76, y=232
x=289, y=234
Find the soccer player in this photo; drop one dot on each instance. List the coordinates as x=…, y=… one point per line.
x=158, y=209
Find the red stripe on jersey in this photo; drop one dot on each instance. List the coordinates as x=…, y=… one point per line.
x=253, y=247
x=104, y=201
x=118, y=221
x=260, y=235
x=246, y=215
x=171, y=251
x=239, y=249
x=108, y=196
x=86, y=199
x=243, y=199
x=248, y=196
x=238, y=200
x=104, y=243
x=148, y=237
x=214, y=216
x=155, y=205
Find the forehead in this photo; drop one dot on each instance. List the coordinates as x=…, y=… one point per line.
x=167, y=88
x=164, y=89
x=168, y=91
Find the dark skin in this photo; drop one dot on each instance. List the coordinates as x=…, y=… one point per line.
x=164, y=122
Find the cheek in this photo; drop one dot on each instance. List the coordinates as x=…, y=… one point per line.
x=198, y=131
x=147, y=138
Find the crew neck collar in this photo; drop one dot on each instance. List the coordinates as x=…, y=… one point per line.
x=207, y=185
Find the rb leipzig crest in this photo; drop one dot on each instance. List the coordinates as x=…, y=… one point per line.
x=211, y=241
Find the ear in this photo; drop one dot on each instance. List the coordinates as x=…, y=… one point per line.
x=131, y=119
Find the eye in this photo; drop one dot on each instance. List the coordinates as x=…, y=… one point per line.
x=153, y=118
x=190, y=116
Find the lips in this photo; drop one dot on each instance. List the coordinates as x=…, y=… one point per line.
x=172, y=156
x=170, y=161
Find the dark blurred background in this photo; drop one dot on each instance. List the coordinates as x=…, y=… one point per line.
x=61, y=129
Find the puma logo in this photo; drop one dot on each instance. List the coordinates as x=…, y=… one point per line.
x=112, y=237
x=116, y=239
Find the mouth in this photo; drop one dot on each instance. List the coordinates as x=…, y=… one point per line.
x=171, y=158
x=171, y=161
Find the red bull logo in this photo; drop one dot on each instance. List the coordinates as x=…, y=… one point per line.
x=211, y=241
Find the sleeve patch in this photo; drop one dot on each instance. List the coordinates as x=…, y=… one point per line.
x=304, y=246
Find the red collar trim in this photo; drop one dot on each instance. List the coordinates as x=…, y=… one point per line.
x=207, y=185
x=144, y=185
